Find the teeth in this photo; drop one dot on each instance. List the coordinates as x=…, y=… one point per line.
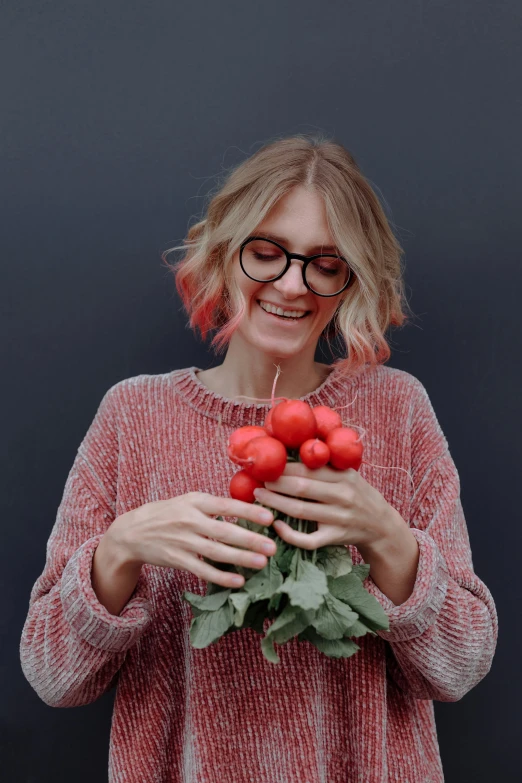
x=279, y=311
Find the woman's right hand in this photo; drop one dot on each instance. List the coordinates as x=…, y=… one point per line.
x=173, y=532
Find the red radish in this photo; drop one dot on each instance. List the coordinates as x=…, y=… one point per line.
x=268, y=423
x=239, y=438
x=293, y=422
x=264, y=458
x=242, y=486
x=346, y=449
x=327, y=420
x=314, y=453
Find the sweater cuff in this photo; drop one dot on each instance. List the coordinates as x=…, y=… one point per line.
x=89, y=618
x=411, y=618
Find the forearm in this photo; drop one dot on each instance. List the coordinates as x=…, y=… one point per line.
x=114, y=579
x=72, y=646
x=393, y=562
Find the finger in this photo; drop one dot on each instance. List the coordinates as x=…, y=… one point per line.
x=303, y=540
x=212, y=504
x=210, y=574
x=228, y=533
x=231, y=533
x=302, y=487
x=326, y=473
x=221, y=553
x=294, y=507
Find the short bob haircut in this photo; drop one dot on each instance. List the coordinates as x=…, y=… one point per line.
x=356, y=221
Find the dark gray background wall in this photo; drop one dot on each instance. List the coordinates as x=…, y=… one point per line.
x=114, y=120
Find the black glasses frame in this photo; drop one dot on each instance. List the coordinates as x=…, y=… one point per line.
x=305, y=259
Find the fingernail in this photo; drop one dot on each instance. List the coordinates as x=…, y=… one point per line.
x=266, y=516
x=268, y=548
x=256, y=493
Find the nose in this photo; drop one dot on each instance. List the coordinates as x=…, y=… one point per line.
x=291, y=285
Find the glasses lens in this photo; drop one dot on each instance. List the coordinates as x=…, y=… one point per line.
x=327, y=274
x=263, y=260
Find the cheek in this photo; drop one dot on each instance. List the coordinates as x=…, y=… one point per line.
x=327, y=309
x=243, y=283
x=250, y=292
x=247, y=287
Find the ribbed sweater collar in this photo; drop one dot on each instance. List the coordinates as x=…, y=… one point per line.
x=196, y=395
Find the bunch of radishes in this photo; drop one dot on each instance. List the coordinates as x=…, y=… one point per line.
x=313, y=435
x=317, y=596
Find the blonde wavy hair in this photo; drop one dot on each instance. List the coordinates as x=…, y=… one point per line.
x=357, y=222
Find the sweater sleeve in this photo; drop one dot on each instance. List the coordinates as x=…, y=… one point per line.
x=443, y=637
x=72, y=648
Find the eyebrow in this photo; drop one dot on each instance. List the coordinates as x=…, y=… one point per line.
x=312, y=251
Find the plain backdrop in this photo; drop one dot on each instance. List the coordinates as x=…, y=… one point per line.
x=115, y=120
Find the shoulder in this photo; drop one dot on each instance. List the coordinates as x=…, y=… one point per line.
x=143, y=392
x=393, y=384
x=404, y=398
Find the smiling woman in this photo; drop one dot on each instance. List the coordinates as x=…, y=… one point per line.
x=294, y=246
x=324, y=247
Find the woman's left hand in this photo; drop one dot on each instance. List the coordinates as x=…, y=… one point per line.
x=348, y=511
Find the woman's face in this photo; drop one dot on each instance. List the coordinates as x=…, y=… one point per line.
x=298, y=221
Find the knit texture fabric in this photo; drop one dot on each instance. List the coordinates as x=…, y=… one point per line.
x=225, y=713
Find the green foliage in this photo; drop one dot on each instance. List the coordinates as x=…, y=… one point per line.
x=334, y=648
x=361, y=570
x=265, y=583
x=208, y=603
x=334, y=560
x=240, y=602
x=350, y=589
x=289, y=623
x=267, y=648
x=283, y=556
x=313, y=596
x=333, y=618
x=209, y=626
x=275, y=601
x=308, y=588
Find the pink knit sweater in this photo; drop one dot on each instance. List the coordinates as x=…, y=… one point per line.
x=224, y=713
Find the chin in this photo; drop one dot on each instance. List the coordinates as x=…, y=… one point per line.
x=282, y=348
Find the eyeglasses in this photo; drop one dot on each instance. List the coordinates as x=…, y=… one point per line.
x=264, y=261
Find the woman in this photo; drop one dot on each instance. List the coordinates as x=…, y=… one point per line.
x=139, y=507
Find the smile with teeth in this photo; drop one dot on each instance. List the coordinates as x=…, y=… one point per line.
x=290, y=314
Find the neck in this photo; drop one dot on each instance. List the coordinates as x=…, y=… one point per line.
x=252, y=374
